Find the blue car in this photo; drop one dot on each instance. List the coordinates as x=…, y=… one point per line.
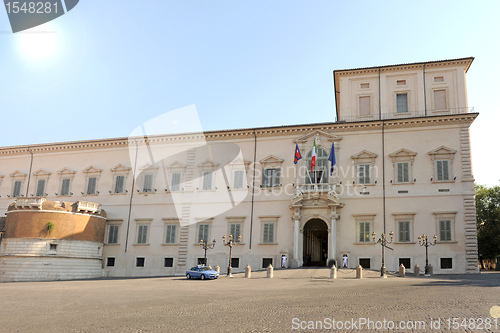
x=201, y=272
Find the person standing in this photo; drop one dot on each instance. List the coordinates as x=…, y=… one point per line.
x=345, y=258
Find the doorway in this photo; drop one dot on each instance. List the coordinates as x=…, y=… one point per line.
x=315, y=243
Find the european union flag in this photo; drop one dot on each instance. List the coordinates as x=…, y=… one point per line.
x=331, y=158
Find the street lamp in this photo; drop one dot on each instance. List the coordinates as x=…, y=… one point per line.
x=230, y=243
x=422, y=241
x=383, y=242
x=206, y=246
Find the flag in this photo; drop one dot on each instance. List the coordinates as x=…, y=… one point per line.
x=331, y=158
x=313, y=157
x=297, y=156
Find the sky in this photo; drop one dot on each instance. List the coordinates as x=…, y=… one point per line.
x=106, y=67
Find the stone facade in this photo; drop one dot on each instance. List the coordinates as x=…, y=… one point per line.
x=403, y=164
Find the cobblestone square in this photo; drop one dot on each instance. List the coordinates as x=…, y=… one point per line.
x=294, y=300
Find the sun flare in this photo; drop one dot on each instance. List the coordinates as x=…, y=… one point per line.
x=38, y=43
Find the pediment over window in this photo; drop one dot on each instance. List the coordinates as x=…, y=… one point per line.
x=42, y=173
x=240, y=162
x=66, y=172
x=442, y=153
x=322, y=135
x=364, y=156
x=403, y=155
x=92, y=170
x=271, y=161
x=18, y=174
x=120, y=168
x=208, y=165
x=148, y=166
x=177, y=166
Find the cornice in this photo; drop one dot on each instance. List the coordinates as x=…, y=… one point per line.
x=289, y=130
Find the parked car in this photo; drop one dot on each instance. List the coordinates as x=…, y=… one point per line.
x=201, y=272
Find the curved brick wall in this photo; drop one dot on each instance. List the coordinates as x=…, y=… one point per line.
x=32, y=223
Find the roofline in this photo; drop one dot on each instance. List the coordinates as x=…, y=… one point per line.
x=109, y=141
x=409, y=64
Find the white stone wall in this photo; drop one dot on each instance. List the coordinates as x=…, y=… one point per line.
x=26, y=259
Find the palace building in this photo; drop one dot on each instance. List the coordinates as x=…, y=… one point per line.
x=139, y=206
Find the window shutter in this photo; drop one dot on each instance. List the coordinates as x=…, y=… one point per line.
x=364, y=105
x=142, y=234
x=402, y=103
x=446, y=173
x=170, y=234
x=176, y=182
x=40, y=188
x=439, y=170
x=207, y=180
x=203, y=232
x=238, y=179
x=91, y=185
x=406, y=172
x=276, y=177
x=65, y=186
x=119, y=184
x=440, y=99
x=148, y=183
x=266, y=178
x=113, y=234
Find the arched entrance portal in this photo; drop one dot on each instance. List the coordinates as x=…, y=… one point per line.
x=315, y=243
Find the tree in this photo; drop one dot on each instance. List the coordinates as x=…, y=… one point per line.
x=488, y=220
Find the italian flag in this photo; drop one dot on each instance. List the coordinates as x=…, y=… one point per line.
x=313, y=157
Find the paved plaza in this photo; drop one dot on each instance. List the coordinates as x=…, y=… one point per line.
x=294, y=300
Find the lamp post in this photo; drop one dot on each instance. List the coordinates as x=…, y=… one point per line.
x=383, y=242
x=422, y=241
x=230, y=243
x=206, y=246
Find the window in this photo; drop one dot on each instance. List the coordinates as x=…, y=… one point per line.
x=403, y=172
x=438, y=79
x=207, y=180
x=446, y=263
x=17, y=188
x=364, y=85
x=320, y=173
x=110, y=262
x=445, y=231
x=266, y=262
x=365, y=263
x=405, y=261
x=142, y=234
x=119, y=184
x=91, y=185
x=401, y=82
x=271, y=178
x=40, y=188
x=404, y=231
x=364, y=105
x=203, y=232
x=238, y=179
x=176, y=182
x=364, y=173
x=402, y=103
x=65, y=186
x=440, y=99
x=170, y=233
x=235, y=262
x=235, y=230
x=364, y=232
x=113, y=234
x=442, y=170
x=201, y=261
x=147, y=185
x=52, y=247
x=168, y=262
x=140, y=262
x=268, y=233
